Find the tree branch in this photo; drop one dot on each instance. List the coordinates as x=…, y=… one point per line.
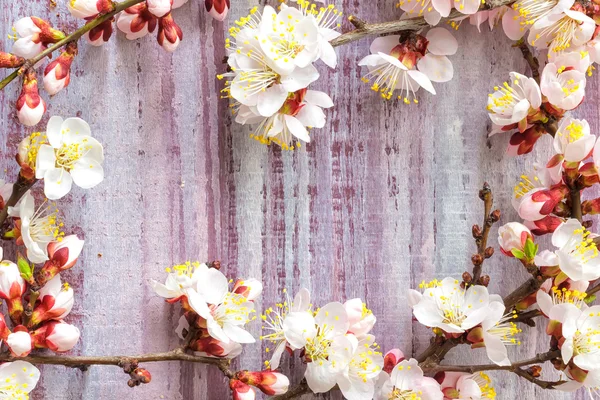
x=534, y=63
x=296, y=391
x=83, y=361
x=481, y=236
x=73, y=37
x=471, y=369
x=576, y=211
x=409, y=24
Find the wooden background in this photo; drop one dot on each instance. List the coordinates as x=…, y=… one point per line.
x=383, y=198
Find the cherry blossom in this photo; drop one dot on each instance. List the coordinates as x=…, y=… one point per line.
x=357, y=380
x=88, y=8
x=180, y=279
x=564, y=81
x=277, y=326
x=288, y=127
x=38, y=227
x=514, y=101
x=56, y=301
x=18, y=379
x=407, y=382
x=62, y=254
x=577, y=253
x=19, y=342
x=410, y=65
x=525, y=13
x=360, y=318
x=327, y=23
x=57, y=74
x=136, y=21
x=463, y=386
x=225, y=312
x=72, y=156
x=559, y=31
x=573, y=139
x=445, y=305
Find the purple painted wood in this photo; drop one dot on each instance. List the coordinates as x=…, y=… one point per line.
x=383, y=198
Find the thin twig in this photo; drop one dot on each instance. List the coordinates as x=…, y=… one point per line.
x=409, y=24
x=481, y=238
x=73, y=37
x=79, y=361
x=576, y=211
x=534, y=63
x=471, y=369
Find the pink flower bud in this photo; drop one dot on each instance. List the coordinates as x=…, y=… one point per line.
x=136, y=21
x=55, y=302
x=19, y=342
x=269, y=382
x=391, y=359
x=169, y=33
x=34, y=35
x=61, y=337
x=360, y=317
x=100, y=34
x=536, y=204
x=12, y=287
x=159, y=8
x=241, y=391
x=30, y=106
x=249, y=288
x=57, y=74
x=89, y=8
x=62, y=256
x=512, y=236
x=217, y=8
x=545, y=225
x=208, y=346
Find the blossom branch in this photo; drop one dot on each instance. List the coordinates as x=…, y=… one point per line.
x=481, y=236
x=534, y=63
x=73, y=37
x=410, y=24
x=471, y=369
x=298, y=390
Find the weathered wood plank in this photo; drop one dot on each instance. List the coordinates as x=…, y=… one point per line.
x=383, y=198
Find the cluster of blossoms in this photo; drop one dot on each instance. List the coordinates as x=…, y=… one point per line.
x=570, y=267
x=37, y=300
x=33, y=35
x=271, y=57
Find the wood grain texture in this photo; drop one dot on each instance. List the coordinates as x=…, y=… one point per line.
x=383, y=198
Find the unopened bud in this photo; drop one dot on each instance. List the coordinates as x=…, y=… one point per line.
x=467, y=277
x=484, y=280
x=214, y=264
x=485, y=192
x=8, y=60
x=489, y=252
x=535, y=371
x=477, y=259
x=476, y=231
x=495, y=215
x=142, y=375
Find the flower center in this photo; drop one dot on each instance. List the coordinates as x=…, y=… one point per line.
x=45, y=225
x=505, y=98
x=68, y=154
x=398, y=394
x=326, y=17
x=233, y=309
x=573, y=131
x=317, y=348
x=562, y=296
x=561, y=33
x=507, y=330
x=532, y=10
x=525, y=185
x=485, y=384
x=587, y=342
x=273, y=321
x=586, y=249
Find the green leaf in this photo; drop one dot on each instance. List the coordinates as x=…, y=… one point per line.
x=530, y=249
x=25, y=268
x=518, y=254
